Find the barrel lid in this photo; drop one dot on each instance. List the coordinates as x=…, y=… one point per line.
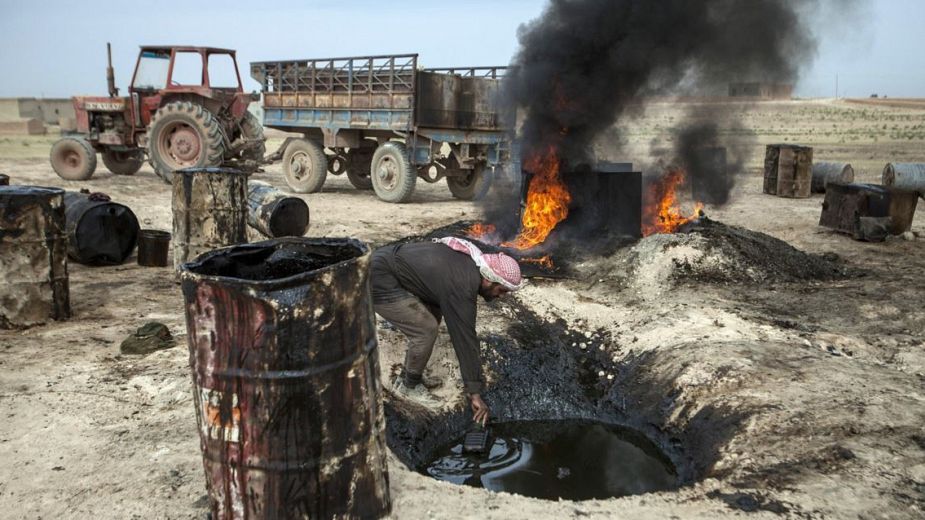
x=279, y=262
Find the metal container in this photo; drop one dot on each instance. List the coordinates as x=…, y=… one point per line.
x=275, y=214
x=209, y=211
x=99, y=231
x=907, y=176
x=286, y=378
x=826, y=172
x=4, y=180
x=33, y=256
x=867, y=211
x=788, y=170
x=153, y=247
x=709, y=175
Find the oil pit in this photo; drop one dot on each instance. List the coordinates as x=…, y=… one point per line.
x=571, y=460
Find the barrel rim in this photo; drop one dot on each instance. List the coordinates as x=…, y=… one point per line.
x=188, y=274
x=25, y=189
x=211, y=169
x=154, y=233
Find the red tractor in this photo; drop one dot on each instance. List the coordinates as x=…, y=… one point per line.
x=185, y=108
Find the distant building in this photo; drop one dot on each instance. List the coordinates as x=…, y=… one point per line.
x=761, y=90
x=48, y=110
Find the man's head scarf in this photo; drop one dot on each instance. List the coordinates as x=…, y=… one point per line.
x=494, y=267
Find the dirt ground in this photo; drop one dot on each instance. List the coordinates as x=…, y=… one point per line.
x=811, y=392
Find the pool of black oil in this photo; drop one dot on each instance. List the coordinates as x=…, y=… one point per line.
x=571, y=460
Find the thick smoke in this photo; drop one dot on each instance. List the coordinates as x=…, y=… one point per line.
x=586, y=64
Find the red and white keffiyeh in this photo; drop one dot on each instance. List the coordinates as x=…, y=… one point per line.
x=494, y=267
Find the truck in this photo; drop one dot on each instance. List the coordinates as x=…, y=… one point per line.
x=385, y=122
x=185, y=108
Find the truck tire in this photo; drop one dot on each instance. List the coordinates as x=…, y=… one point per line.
x=472, y=186
x=73, y=159
x=359, y=161
x=123, y=163
x=392, y=174
x=251, y=129
x=305, y=166
x=182, y=135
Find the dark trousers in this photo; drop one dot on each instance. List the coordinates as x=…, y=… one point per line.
x=419, y=322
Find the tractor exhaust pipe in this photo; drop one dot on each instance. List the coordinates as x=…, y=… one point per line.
x=110, y=75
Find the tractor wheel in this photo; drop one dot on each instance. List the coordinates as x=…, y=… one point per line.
x=305, y=166
x=123, y=163
x=73, y=159
x=392, y=174
x=473, y=185
x=359, y=161
x=251, y=129
x=184, y=135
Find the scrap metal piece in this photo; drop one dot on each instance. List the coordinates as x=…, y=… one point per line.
x=867, y=211
x=33, y=256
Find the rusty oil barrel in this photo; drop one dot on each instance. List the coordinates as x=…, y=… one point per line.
x=209, y=211
x=275, y=214
x=4, y=179
x=826, y=172
x=906, y=176
x=99, y=231
x=33, y=256
x=286, y=380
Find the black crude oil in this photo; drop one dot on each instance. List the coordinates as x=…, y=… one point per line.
x=572, y=460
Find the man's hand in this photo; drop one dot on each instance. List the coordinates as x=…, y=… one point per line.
x=479, y=409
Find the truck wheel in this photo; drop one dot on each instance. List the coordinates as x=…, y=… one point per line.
x=73, y=159
x=123, y=163
x=184, y=135
x=251, y=129
x=305, y=166
x=358, y=164
x=472, y=186
x=392, y=174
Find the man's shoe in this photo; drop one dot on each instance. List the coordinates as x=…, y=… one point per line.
x=417, y=393
x=431, y=382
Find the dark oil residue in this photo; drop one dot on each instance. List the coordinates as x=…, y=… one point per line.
x=572, y=460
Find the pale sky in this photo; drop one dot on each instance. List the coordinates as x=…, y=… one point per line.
x=56, y=48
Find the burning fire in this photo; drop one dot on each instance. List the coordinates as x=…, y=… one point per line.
x=662, y=212
x=543, y=261
x=480, y=229
x=547, y=201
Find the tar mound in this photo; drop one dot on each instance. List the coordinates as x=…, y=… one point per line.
x=713, y=252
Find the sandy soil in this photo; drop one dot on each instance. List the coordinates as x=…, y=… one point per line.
x=813, y=391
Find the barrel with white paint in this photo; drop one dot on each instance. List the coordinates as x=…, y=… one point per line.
x=826, y=172
x=906, y=176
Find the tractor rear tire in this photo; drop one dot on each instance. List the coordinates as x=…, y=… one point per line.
x=73, y=159
x=359, y=161
x=123, y=163
x=251, y=129
x=305, y=166
x=392, y=174
x=182, y=135
x=472, y=186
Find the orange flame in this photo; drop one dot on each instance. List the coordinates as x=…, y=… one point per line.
x=547, y=201
x=662, y=212
x=480, y=229
x=543, y=261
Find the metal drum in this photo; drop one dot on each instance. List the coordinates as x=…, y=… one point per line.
x=4, y=180
x=286, y=379
x=99, y=231
x=907, y=176
x=826, y=172
x=275, y=214
x=209, y=211
x=33, y=256
x=788, y=170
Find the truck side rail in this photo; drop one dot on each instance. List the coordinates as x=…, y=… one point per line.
x=371, y=92
x=472, y=72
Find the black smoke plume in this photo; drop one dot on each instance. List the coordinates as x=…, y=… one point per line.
x=584, y=65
